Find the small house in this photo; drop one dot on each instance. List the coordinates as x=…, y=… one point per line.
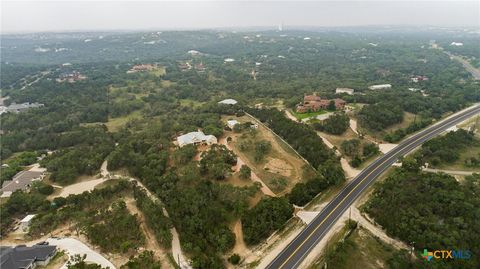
x=232, y=123
x=25, y=223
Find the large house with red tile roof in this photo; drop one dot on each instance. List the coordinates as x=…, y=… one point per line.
x=315, y=103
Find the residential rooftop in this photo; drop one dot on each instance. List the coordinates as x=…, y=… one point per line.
x=20, y=257
x=21, y=181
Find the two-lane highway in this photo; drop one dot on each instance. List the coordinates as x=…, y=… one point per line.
x=303, y=243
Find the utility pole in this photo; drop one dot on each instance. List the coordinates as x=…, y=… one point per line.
x=412, y=248
x=349, y=216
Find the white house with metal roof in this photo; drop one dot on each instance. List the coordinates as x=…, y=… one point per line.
x=228, y=102
x=25, y=223
x=380, y=87
x=196, y=138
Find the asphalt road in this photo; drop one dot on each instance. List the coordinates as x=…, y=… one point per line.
x=298, y=249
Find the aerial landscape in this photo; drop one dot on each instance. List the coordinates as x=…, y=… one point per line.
x=205, y=135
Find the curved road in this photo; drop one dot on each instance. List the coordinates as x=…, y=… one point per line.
x=303, y=243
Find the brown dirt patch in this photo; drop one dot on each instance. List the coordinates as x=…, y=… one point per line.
x=278, y=166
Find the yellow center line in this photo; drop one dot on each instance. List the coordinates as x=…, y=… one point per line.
x=346, y=196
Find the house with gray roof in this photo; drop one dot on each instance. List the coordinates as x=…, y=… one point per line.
x=196, y=138
x=23, y=257
x=21, y=181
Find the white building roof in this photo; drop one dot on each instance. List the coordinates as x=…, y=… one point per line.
x=380, y=86
x=344, y=90
x=228, y=102
x=195, y=137
x=28, y=218
x=232, y=123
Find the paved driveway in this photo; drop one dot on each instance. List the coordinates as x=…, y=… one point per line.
x=73, y=246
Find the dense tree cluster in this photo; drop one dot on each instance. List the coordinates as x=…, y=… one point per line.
x=377, y=117
x=358, y=151
x=115, y=229
x=336, y=124
x=78, y=209
x=155, y=218
x=144, y=155
x=447, y=148
x=201, y=213
x=425, y=208
x=217, y=162
x=267, y=216
x=67, y=164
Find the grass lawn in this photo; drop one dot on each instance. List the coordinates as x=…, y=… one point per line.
x=190, y=103
x=159, y=71
x=114, y=124
x=301, y=116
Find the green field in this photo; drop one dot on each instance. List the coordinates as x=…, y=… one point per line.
x=114, y=124
x=301, y=116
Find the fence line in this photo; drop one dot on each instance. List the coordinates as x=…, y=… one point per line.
x=279, y=137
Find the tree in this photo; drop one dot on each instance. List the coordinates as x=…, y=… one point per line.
x=370, y=149
x=378, y=116
x=351, y=147
x=331, y=105
x=78, y=262
x=336, y=124
x=42, y=188
x=267, y=216
x=144, y=260
x=245, y=172
x=262, y=148
x=234, y=259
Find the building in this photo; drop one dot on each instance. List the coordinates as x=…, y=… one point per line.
x=23, y=257
x=232, y=123
x=228, y=102
x=380, y=87
x=25, y=223
x=419, y=78
x=71, y=77
x=196, y=138
x=184, y=66
x=315, y=103
x=194, y=52
x=17, y=108
x=141, y=68
x=229, y=60
x=200, y=67
x=345, y=90
x=21, y=181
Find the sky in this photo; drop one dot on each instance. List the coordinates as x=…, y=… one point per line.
x=69, y=15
